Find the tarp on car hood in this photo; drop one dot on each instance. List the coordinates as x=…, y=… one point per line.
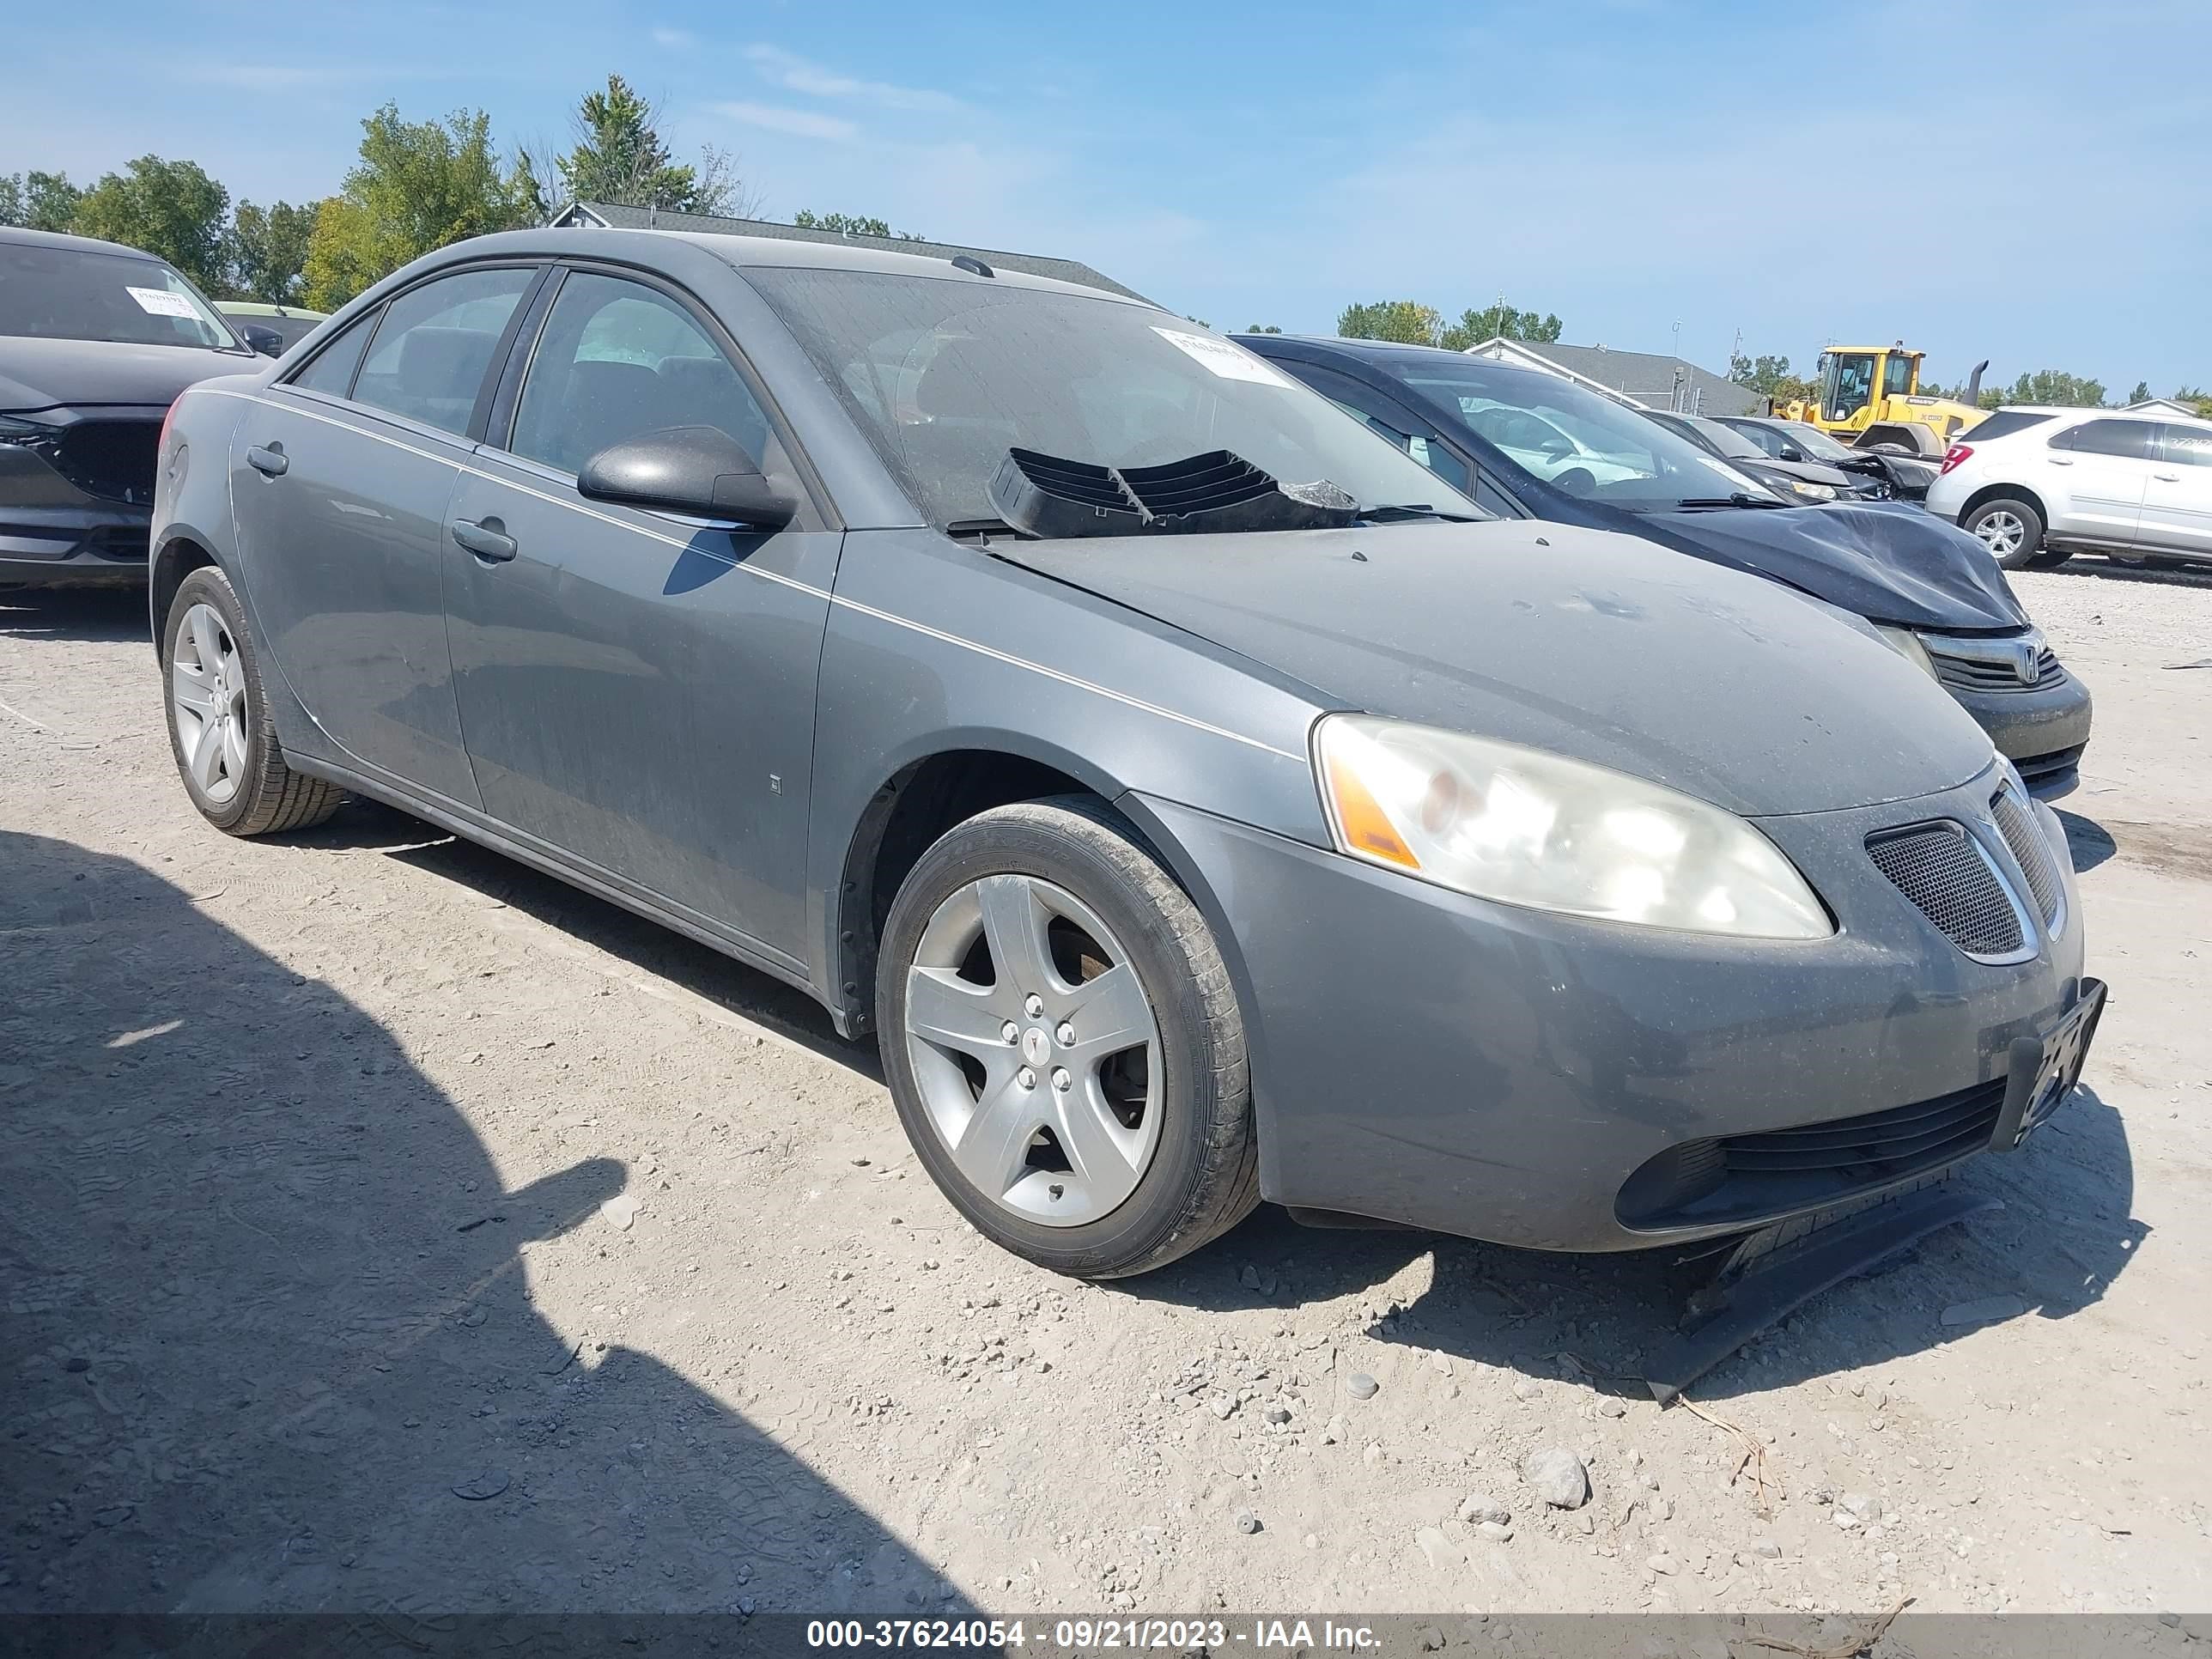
x=1890, y=562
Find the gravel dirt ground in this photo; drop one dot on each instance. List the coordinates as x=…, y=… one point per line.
x=385, y=1227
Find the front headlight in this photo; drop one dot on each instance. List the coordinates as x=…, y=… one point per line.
x=1524, y=827
x=1907, y=645
x=1811, y=491
x=15, y=429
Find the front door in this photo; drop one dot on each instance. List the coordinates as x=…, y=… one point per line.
x=340, y=477
x=638, y=690
x=2101, y=470
x=2177, y=509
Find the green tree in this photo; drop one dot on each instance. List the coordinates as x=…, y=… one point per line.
x=37, y=201
x=2197, y=395
x=269, y=250
x=1501, y=320
x=1769, y=377
x=1407, y=321
x=2142, y=394
x=619, y=157
x=2048, y=385
x=1255, y=328
x=172, y=209
x=852, y=224
x=418, y=186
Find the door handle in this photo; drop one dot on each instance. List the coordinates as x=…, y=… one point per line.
x=486, y=538
x=2168, y=478
x=2058, y=460
x=268, y=460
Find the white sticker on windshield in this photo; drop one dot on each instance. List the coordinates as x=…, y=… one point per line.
x=160, y=302
x=1230, y=362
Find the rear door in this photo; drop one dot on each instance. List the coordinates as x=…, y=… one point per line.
x=340, y=475
x=638, y=690
x=2177, y=510
x=2100, y=469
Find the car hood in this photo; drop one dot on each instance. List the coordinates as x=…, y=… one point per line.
x=1810, y=471
x=1890, y=563
x=36, y=373
x=1582, y=642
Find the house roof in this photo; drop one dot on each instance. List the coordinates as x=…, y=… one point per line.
x=1641, y=377
x=2164, y=406
x=610, y=217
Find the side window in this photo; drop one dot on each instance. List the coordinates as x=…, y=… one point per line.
x=617, y=360
x=331, y=372
x=2185, y=445
x=2129, y=440
x=1765, y=437
x=1897, y=378
x=431, y=352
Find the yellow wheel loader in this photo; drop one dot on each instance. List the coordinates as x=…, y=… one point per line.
x=1870, y=396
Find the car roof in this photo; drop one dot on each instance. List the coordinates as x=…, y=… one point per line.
x=22, y=236
x=263, y=308
x=758, y=253
x=1381, y=350
x=2083, y=412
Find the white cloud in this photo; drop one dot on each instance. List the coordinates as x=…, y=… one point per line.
x=798, y=123
x=262, y=77
x=674, y=40
x=796, y=74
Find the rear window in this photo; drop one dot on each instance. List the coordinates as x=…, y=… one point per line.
x=2190, y=446
x=2003, y=424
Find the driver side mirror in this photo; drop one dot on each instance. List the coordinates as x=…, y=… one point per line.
x=1791, y=452
x=266, y=341
x=698, y=471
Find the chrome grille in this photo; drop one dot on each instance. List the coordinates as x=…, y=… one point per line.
x=1948, y=876
x=1991, y=664
x=2015, y=822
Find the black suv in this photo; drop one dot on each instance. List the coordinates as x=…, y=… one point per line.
x=96, y=340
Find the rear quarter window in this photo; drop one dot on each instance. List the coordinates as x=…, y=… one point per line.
x=2003, y=424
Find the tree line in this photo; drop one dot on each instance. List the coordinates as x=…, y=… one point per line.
x=416, y=186
x=1408, y=322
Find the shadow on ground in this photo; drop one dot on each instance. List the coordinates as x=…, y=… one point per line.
x=271, y=1344
x=2064, y=1233
x=2099, y=568
x=74, y=613
x=2089, y=842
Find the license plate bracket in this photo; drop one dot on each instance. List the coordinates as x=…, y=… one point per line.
x=2045, y=1068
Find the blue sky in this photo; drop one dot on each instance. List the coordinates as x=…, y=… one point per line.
x=2028, y=180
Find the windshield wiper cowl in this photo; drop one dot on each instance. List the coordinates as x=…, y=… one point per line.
x=1049, y=496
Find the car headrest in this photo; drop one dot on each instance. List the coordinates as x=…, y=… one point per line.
x=445, y=363
x=949, y=386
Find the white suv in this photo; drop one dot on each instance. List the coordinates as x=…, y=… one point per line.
x=2038, y=485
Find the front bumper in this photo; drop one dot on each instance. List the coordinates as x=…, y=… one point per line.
x=2042, y=732
x=55, y=531
x=1428, y=1059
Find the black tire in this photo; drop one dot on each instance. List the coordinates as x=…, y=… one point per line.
x=270, y=797
x=2031, y=522
x=1204, y=1175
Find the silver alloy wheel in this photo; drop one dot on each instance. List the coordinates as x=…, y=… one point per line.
x=207, y=693
x=2002, y=532
x=1045, y=1091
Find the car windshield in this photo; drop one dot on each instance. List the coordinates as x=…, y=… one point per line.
x=1817, y=445
x=82, y=294
x=1573, y=437
x=1730, y=443
x=946, y=375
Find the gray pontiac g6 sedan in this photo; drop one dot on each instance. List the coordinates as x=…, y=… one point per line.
x=1197, y=800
